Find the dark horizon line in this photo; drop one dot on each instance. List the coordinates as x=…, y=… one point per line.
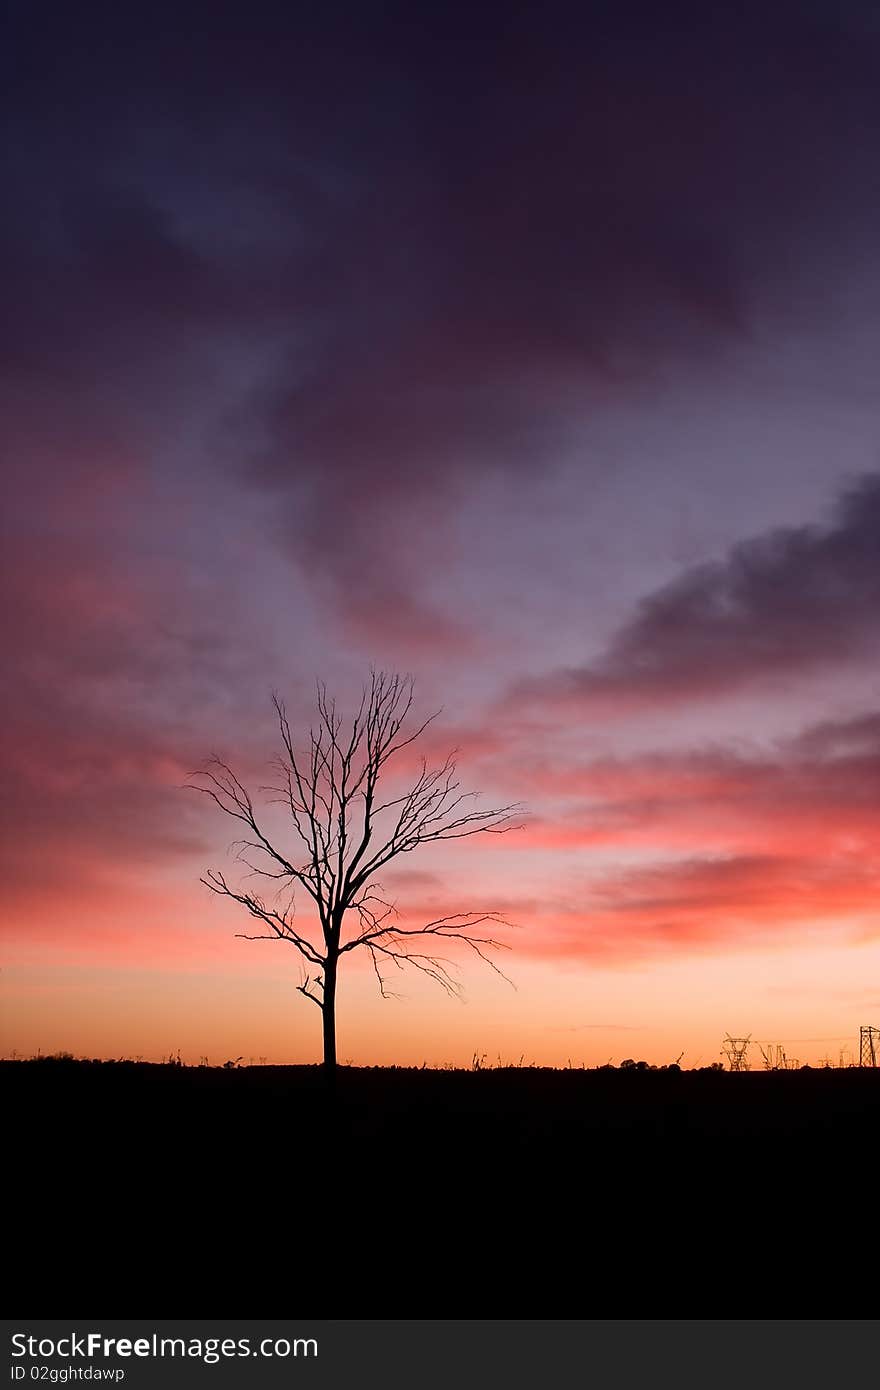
x=627, y=1064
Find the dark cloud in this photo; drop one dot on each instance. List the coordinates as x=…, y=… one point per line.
x=588, y=198
x=417, y=241
x=844, y=743
x=429, y=238
x=794, y=601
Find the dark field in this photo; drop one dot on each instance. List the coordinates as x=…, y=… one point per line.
x=136, y=1189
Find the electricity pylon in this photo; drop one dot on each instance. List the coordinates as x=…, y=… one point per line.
x=735, y=1050
x=869, y=1046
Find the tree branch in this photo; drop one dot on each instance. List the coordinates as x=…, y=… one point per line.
x=329, y=790
x=315, y=998
x=393, y=942
x=278, y=923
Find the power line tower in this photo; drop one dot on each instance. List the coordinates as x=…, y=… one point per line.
x=736, y=1050
x=869, y=1046
x=773, y=1055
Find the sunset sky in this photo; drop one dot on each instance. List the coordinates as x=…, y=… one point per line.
x=530, y=349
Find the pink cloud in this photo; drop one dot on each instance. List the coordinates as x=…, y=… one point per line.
x=815, y=791
x=706, y=904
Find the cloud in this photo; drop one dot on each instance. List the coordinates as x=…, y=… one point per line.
x=106, y=693
x=717, y=848
x=91, y=805
x=708, y=904
x=426, y=281
x=815, y=791
x=714, y=849
x=505, y=261
x=352, y=269
x=778, y=607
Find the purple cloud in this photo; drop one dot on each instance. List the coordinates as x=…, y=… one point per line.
x=791, y=602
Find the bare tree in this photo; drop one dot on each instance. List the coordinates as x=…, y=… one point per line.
x=342, y=835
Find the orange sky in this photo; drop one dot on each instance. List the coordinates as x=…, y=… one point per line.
x=769, y=931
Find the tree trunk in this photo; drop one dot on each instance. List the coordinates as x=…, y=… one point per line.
x=329, y=1016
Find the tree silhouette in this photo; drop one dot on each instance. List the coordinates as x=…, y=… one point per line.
x=343, y=834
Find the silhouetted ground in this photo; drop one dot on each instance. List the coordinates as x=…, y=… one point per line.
x=415, y=1193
